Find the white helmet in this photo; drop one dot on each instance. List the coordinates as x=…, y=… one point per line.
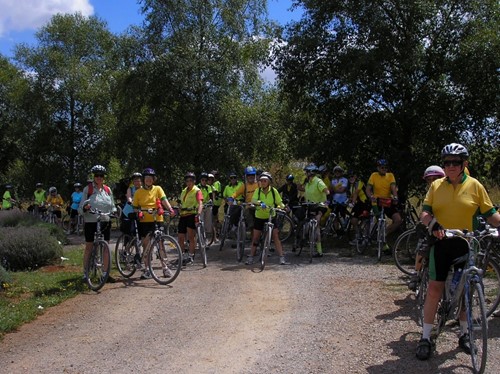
x=433, y=171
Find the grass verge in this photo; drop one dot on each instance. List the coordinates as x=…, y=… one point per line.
x=32, y=292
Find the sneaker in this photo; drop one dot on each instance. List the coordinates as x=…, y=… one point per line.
x=137, y=261
x=249, y=260
x=414, y=281
x=464, y=343
x=146, y=275
x=283, y=260
x=317, y=254
x=189, y=260
x=424, y=349
x=387, y=249
x=167, y=273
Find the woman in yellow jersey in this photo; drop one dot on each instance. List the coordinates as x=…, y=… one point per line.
x=55, y=201
x=357, y=200
x=191, y=201
x=451, y=203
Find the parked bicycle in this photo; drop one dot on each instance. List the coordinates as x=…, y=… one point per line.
x=128, y=250
x=335, y=224
x=306, y=233
x=266, y=236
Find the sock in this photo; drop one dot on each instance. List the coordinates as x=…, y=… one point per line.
x=426, y=332
x=463, y=327
x=319, y=248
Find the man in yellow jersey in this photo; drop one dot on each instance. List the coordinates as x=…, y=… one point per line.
x=382, y=187
x=148, y=197
x=191, y=201
x=357, y=200
x=316, y=191
x=453, y=202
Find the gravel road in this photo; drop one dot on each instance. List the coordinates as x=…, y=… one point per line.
x=339, y=314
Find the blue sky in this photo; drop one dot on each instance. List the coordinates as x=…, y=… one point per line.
x=20, y=19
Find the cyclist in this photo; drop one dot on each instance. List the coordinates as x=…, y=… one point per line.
x=382, y=185
x=451, y=202
x=98, y=196
x=213, y=180
x=246, y=190
x=40, y=196
x=192, y=208
x=208, y=196
x=289, y=191
x=316, y=191
x=432, y=173
x=76, y=197
x=8, y=200
x=128, y=222
x=357, y=200
x=56, y=201
x=264, y=197
x=150, y=196
x=338, y=188
x=233, y=185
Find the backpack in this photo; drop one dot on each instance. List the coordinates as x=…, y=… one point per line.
x=272, y=191
x=90, y=189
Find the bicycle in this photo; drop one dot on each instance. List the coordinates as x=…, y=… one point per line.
x=266, y=237
x=381, y=225
x=225, y=227
x=365, y=230
x=308, y=229
x=202, y=240
x=68, y=227
x=405, y=250
x=98, y=264
x=469, y=295
x=409, y=215
x=128, y=251
x=334, y=219
x=163, y=254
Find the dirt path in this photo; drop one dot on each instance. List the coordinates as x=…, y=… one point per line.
x=337, y=315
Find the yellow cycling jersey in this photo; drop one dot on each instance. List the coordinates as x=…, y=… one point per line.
x=250, y=189
x=229, y=190
x=457, y=208
x=314, y=190
x=56, y=201
x=381, y=184
x=146, y=199
x=271, y=198
x=190, y=200
x=39, y=197
x=358, y=186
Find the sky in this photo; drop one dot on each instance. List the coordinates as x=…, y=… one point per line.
x=20, y=19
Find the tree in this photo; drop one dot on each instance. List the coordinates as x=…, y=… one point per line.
x=391, y=79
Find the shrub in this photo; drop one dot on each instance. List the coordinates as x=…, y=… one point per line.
x=5, y=277
x=14, y=217
x=27, y=248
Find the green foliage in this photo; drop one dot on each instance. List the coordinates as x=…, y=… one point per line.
x=5, y=278
x=27, y=248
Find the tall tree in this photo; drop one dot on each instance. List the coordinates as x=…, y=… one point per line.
x=393, y=79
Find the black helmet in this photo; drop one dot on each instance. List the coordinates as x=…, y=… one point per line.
x=39, y=185
x=311, y=168
x=77, y=184
x=136, y=175
x=290, y=177
x=382, y=162
x=148, y=171
x=204, y=175
x=233, y=174
x=190, y=175
x=98, y=169
x=52, y=190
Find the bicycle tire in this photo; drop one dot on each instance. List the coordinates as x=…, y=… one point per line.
x=202, y=243
x=404, y=251
x=125, y=249
x=477, y=324
x=312, y=239
x=66, y=223
x=240, y=245
x=490, y=282
x=172, y=228
x=97, y=273
x=286, y=228
x=380, y=239
x=264, y=249
x=422, y=293
x=209, y=236
x=362, y=235
x=164, y=252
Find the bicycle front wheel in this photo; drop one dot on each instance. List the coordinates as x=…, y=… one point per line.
x=125, y=249
x=66, y=223
x=202, y=244
x=285, y=228
x=312, y=240
x=97, y=271
x=264, y=249
x=165, y=259
x=242, y=232
x=422, y=293
x=478, y=327
x=380, y=239
x=362, y=235
x=404, y=251
x=490, y=282
x=223, y=232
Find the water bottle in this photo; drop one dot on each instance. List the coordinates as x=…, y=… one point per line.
x=455, y=280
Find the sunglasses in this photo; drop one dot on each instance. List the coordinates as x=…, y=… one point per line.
x=232, y=177
x=98, y=175
x=383, y=167
x=452, y=163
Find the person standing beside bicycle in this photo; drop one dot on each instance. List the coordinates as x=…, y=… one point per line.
x=214, y=182
x=382, y=189
x=127, y=223
x=233, y=185
x=358, y=201
x=76, y=197
x=338, y=189
x=56, y=202
x=289, y=191
x=265, y=197
x=150, y=196
x=40, y=196
x=96, y=195
x=451, y=203
x=191, y=209
x=246, y=191
x=316, y=191
x=208, y=196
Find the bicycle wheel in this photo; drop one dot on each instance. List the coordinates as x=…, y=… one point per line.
x=223, y=232
x=312, y=240
x=125, y=249
x=79, y=225
x=477, y=324
x=202, y=244
x=285, y=228
x=380, y=238
x=404, y=251
x=173, y=225
x=66, y=223
x=97, y=272
x=362, y=235
x=421, y=293
x=165, y=259
x=490, y=283
x=241, y=235
x=264, y=248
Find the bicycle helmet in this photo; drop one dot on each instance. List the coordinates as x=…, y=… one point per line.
x=455, y=149
x=52, y=190
x=136, y=175
x=266, y=175
x=148, y=171
x=338, y=168
x=351, y=173
x=290, y=177
x=259, y=172
x=382, y=162
x=322, y=168
x=204, y=175
x=210, y=175
x=77, y=184
x=233, y=174
x=311, y=168
x=433, y=171
x=250, y=170
x=215, y=172
x=38, y=185
x=8, y=186
x=190, y=175
x=98, y=169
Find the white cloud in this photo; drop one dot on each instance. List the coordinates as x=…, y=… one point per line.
x=20, y=15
